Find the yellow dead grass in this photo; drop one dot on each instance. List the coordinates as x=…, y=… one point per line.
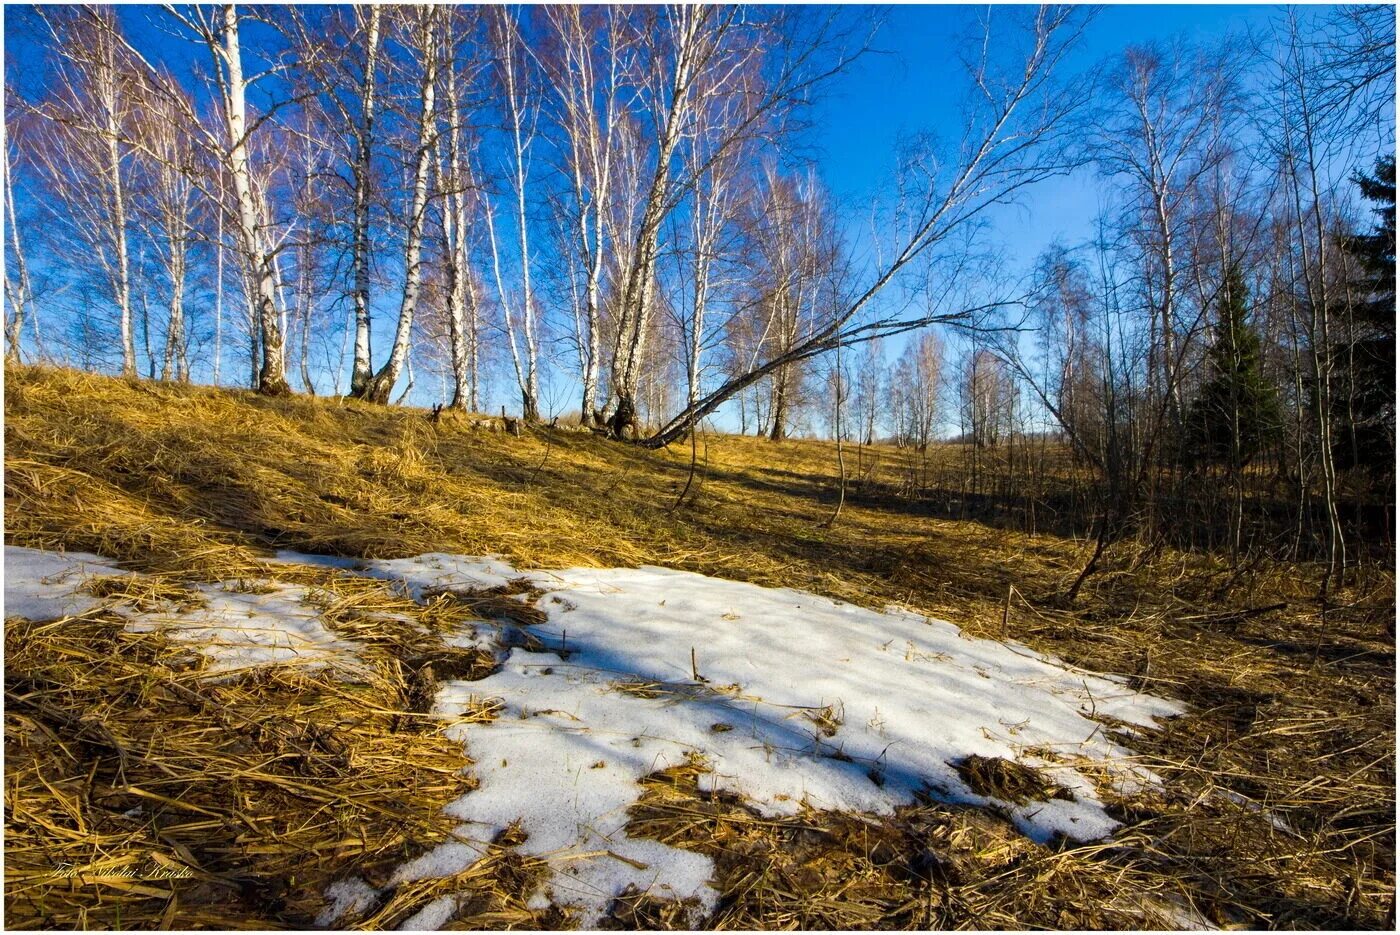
x=1293, y=710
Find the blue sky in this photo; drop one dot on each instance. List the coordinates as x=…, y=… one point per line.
x=909, y=87
x=913, y=83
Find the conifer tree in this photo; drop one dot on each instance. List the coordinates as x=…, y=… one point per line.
x=1237, y=414
x=1366, y=436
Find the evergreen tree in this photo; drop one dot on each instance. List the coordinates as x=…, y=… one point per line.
x=1237, y=414
x=1366, y=362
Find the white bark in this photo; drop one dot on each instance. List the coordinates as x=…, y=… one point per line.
x=364, y=151
x=524, y=340
x=219, y=279
x=590, y=137
x=455, y=182
x=383, y=382
x=107, y=92
x=86, y=161
x=172, y=217
x=17, y=289
x=258, y=258
x=1001, y=154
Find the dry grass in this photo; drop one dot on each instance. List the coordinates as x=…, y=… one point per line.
x=142, y=792
x=1292, y=710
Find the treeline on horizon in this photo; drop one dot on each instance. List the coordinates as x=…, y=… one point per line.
x=618, y=197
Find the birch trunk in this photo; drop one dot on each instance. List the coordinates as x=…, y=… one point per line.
x=16, y=288
x=455, y=243
x=590, y=135
x=271, y=372
x=107, y=89
x=382, y=384
x=176, y=360
x=360, y=373
x=634, y=320
x=524, y=347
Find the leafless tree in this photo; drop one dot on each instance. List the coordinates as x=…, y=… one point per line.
x=85, y=156
x=591, y=61
x=19, y=293
x=343, y=54
x=1015, y=135
x=1165, y=130
x=1302, y=132
x=169, y=207
x=461, y=198
x=419, y=28
x=989, y=397
x=916, y=391
x=520, y=98
x=692, y=56
x=219, y=30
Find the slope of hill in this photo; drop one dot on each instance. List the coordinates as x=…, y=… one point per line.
x=281, y=785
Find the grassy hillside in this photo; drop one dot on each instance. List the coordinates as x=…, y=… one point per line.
x=1292, y=707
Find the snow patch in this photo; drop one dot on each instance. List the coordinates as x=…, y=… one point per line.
x=348, y=897
x=41, y=585
x=239, y=628
x=788, y=699
x=241, y=625
x=431, y=917
x=425, y=572
x=792, y=700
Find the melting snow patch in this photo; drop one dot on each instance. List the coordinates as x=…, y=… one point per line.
x=42, y=585
x=421, y=573
x=790, y=699
x=240, y=629
x=236, y=627
x=352, y=896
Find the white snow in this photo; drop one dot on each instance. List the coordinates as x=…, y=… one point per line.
x=431, y=917
x=241, y=625
x=347, y=896
x=790, y=700
x=252, y=624
x=418, y=574
x=42, y=585
x=911, y=693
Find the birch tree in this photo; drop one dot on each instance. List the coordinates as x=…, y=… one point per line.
x=916, y=391
x=219, y=30
x=86, y=159
x=1162, y=135
x=170, y=218
x=1300, y=134
x=768, y=66
x=421, y=28
x=792, y=235
x=459, y=192
x=704, y=239
x=1015, y=136
x=520, y=102
x=586, y=74
x=343, y=53
x=19, y=294
x=363, y=174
